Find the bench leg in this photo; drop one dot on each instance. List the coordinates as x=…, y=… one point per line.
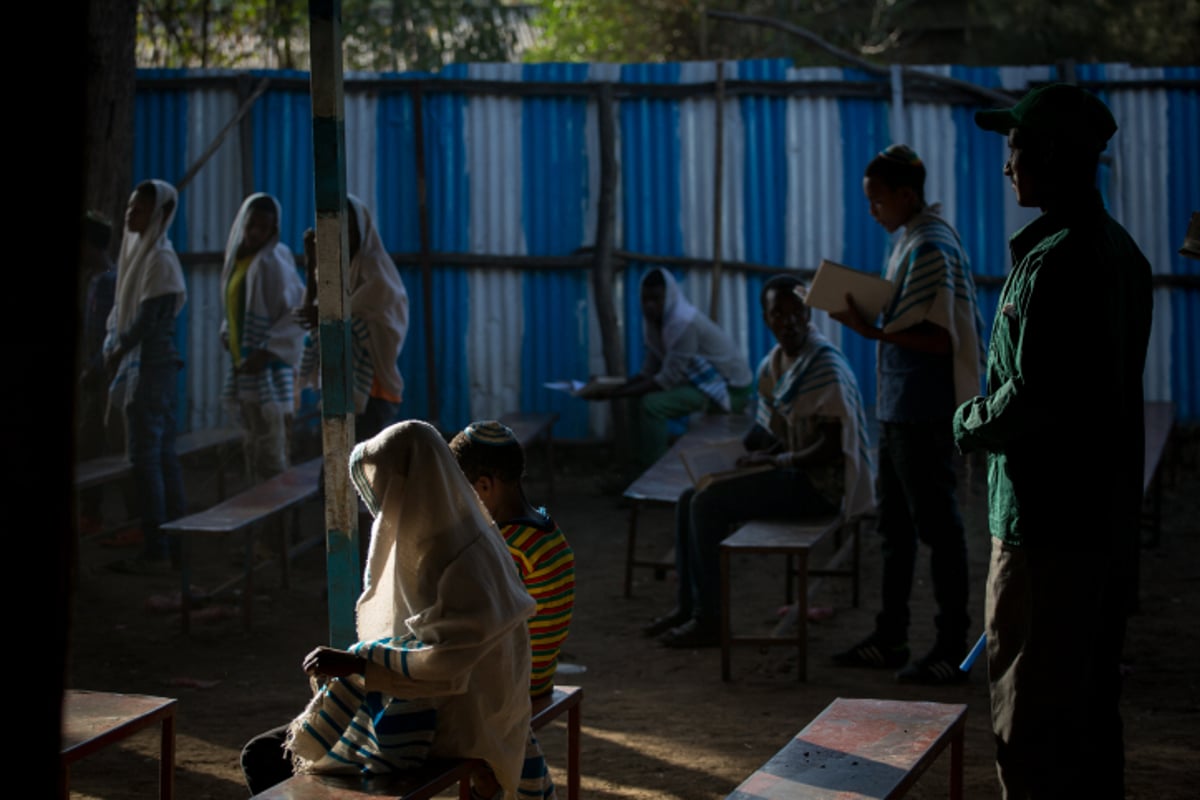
x=573, y=770
x=631, y=548
x=726, y=633
x=285, y=572
x=185, y=582
x=802, y=616
x=166, y=759
x=956, y=765
x=248, y=583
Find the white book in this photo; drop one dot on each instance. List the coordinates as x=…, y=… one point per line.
x=834, y=281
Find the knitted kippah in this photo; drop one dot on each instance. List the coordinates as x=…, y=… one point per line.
x=902, y=154
x=490, y=432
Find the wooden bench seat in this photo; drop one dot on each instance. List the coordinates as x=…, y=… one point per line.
x=92, y=721
x=793, y=538
x=108, y=469
x=667, y=479
x=859, y=749
x=530, y=429
x=243, y=512
x=437, y=775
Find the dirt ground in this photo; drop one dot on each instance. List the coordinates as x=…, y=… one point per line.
x=657, y=723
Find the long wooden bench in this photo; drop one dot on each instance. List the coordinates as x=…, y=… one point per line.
x=859, y=749
x=109, y=469
x=94, y=720
x=243, y=513
x=530, y=429
x=793, y=538
x=667, y=479
x=437, y=775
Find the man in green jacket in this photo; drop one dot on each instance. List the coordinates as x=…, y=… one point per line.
x=1063, y=429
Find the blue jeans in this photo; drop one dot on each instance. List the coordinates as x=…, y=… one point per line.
x=150, y=423
x=917, y=503
x=703, y=519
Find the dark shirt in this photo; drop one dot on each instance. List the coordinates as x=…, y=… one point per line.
x=914, y=386
x=97, y=305
x=154, y=329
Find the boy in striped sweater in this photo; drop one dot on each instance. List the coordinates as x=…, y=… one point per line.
x=494, y=462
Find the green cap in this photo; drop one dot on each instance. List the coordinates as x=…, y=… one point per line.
x=1059, y=110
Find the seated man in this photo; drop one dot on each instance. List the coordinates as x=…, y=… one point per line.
x=809, y=427
x=691, y=364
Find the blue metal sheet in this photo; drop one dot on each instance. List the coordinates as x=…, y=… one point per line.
x=1183, y=188
x=160, y=151
x=554, y=176
x=865, y=132
x=649, y=163
x=283, y=159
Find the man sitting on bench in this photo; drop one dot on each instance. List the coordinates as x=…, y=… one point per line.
x=810, y=433
x=442, y=665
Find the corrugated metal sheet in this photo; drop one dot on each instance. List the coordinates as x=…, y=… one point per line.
x=520, y=176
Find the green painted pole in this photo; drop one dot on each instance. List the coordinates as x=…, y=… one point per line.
x=333, y=302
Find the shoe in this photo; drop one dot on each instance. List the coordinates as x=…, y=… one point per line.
x=874, y=652
x=937, y=668
x=142, y=566
x=690, y=634
x=665, y=623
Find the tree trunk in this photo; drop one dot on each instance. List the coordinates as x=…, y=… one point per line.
x=108, y=135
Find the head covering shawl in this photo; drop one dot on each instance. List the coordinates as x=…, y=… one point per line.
x=272, y=290
x=677, y=314
x=378, y=297
x=146, y=267
x=443, y=596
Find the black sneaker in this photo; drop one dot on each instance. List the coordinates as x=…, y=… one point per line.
x=665, y=623
x=934, y=669
x=874, y=652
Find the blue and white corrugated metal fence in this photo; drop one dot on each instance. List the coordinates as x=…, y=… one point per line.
x=517, y=175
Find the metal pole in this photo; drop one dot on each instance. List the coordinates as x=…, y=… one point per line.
x=718, y=189
x=333, y=301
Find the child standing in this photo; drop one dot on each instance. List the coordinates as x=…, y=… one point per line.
x=140, y=355
x=259, y=289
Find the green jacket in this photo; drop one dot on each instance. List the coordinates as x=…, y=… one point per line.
x=1063, y=420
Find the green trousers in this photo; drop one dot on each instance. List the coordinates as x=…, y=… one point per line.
x=657, y=408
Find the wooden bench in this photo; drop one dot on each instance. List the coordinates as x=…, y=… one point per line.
x=858, y=749
x=437, y=775
x=109, y=469
x=793, y=538
x=531, y=429
x=667, y=479
x=243, y=512
x=94, y=720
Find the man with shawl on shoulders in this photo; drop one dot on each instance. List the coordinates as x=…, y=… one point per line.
x=259, y=289
x=929, y=359
x=691, y=365
x=441, y=668
x=140, y=357
x=809, y=431
x=378, y=323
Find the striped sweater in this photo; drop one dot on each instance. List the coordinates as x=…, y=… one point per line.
x=547, y=566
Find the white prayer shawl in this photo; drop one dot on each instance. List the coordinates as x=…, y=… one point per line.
x=444, y=598
x=678, y=313
x=147, y=267
x=820, y=383
x=272, y=290
x=378, y=297
x=931, y=272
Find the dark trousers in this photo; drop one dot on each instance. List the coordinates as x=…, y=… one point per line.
x=378, y=414
x=265, y=762
x=150, y=426
x=703, y=519
x=917, y=504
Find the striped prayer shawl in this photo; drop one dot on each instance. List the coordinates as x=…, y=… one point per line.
x=346, y=729
x=932, y=275
x=821, y=382
x=273, y=385
x=363, y=377
x=547, y=566
x=704, y=376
